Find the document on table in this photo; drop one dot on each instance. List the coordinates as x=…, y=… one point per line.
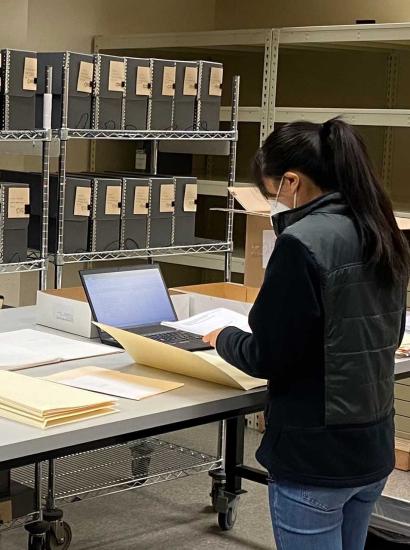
x=206, y=366
x=44, y=404
x=26, y=348
x=120, y=384
x=205, y=322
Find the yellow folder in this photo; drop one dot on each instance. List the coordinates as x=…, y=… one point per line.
x=206, y=366
x=43, y=404
x=111, y=382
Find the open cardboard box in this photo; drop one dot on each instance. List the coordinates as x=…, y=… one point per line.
x=67, y=309
x=233, y=296
x=260, y=237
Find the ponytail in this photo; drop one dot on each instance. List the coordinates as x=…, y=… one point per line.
x=335, y=158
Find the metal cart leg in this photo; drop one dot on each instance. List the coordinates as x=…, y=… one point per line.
x=226, y=484
x=37, y=531
x=59, y=533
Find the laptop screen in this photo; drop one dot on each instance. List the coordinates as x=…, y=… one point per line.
x=126, y=299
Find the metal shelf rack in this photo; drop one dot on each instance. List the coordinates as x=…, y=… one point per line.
x=64, y=134
x=40, y=262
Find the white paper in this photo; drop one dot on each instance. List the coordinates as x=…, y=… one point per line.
x=206, y=322
x=33, y=347
x=13, y=357
x=110, y=387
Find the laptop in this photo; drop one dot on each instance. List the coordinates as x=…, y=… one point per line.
x=135, y=299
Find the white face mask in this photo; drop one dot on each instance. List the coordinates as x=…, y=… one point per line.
x=277, y=206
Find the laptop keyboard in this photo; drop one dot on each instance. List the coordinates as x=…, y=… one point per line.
x=175, y=337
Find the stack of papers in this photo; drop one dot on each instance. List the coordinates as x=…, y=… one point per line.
x=44, y=404
x=113, y=382
x=205, y=365
x=205, y=322
x=25, y=348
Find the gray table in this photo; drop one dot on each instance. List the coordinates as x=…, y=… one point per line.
x=195, y=403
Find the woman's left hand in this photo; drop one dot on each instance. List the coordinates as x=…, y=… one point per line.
x=212, y=337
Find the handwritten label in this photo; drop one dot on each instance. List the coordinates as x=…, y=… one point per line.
x=113, y=200
x=190, y=197
x=215, y=81
x=82, y=201
x=116, y=76
x=190, y=81
x=167, y=198
x=141, y=198
x=19, y=198
x=30, y=73
x=85, y=77
x=143, y=81
x=168, y=81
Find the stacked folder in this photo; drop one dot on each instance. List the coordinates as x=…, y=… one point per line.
x=44, y=404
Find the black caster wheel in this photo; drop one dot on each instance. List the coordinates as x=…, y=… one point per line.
x=226, y=520
x=63, y=541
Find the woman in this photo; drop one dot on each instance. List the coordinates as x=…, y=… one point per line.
x=325, y=326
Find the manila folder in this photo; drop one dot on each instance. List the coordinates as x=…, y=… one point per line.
x=206, y=366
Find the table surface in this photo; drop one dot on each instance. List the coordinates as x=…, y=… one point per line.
x=196, y=402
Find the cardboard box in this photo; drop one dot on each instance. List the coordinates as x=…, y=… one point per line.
x=260, y=237
x=67, y=310
x=208, y=296
x=402, y=451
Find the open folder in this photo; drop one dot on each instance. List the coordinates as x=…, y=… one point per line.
x=205, y=365
x=44, y=404
x=111, y=382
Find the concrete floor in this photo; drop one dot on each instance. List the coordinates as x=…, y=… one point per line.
x=172, y=516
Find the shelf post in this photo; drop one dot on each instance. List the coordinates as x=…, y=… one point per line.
x=47, y=102
x=231, y=176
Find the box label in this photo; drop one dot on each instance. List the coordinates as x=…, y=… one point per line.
x=19, y=198
x=168, y=81
x=141, y=199
x=116, y=76
x=143, y=81
x=167, y=198
x=85, y=77
x=215, y=81
x=113, y=200
x=190, y=197
x=190, y=81
x=82, y=201
x=30, y=73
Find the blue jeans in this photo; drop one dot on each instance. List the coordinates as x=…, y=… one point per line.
x=319, y=518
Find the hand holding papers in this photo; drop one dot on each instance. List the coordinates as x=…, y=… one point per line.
x=113, y=382
x=43, y=404
x=206, y=366
x=206, y=322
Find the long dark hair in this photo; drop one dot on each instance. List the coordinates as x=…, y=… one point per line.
x=335, y=157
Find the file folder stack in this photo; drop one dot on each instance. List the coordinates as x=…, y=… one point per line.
x=44, y=404
x=209, y=95
x=18, y=89
x=14, y=219
x=109, y=92
x=72, y=96
x=138, y=93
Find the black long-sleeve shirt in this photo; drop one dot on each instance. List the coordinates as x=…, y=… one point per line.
x=287, y=348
